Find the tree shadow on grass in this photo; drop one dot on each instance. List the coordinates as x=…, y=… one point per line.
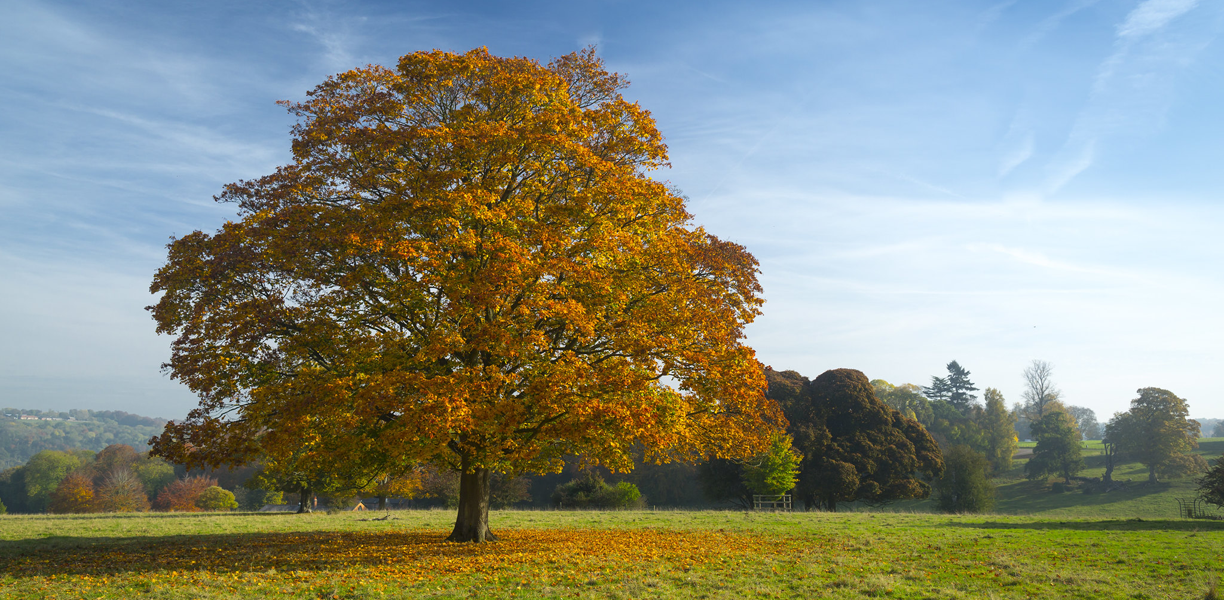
x=1036, y=497
x=1213, y=448
x=394, y=553
x=235, y=553
x=147, y=515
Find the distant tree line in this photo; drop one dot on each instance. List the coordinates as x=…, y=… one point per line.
x=979, y=441
x=849, y=440
x=21, y=439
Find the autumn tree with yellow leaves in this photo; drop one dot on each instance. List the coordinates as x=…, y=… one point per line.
x=465, y=264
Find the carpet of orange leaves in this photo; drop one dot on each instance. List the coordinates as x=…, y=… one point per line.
x=291, y=562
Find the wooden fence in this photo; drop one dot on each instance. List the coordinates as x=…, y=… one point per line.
x=766, y=502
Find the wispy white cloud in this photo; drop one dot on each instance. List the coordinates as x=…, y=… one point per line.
x=709, y=76
x=993, y=13
x=1018, y=154
x=195, y=140
x=1040, y=259
x=926, y=185
x=1143, y=94
x=1078, y=159
x=1052, y=22
x=337, y=43
x=1153, y=15
x=1147, y=19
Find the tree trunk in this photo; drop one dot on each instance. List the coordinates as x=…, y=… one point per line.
x=1109, y=463
x=304, y=501
x=382, y=502
x=472, y=523
x=1152, y=473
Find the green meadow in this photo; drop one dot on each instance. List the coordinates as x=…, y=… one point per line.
x=1038, y=543
x=640, y=554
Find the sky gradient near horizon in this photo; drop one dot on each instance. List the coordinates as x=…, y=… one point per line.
x=922, y=182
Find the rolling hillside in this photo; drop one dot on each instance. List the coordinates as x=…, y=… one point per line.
x=24, y=433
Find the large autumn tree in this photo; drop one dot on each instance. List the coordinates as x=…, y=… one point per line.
x=465, y=264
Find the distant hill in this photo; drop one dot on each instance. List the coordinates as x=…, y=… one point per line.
x=24, y=432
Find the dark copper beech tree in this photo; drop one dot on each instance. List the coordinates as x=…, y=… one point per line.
x=855, y=447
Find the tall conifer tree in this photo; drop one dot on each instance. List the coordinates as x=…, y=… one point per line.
x=955, y=388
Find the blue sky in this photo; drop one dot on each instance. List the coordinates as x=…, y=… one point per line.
x=986, y=182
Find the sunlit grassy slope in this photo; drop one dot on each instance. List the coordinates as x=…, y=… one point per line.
x=1139, y=499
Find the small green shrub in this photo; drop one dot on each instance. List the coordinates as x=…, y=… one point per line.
x=621, y=495
x=216, y=498
x=255, y=499
x=591, y=491
x=964, y=488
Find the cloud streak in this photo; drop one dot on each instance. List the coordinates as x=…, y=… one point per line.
x=1151, y=16
x=1018, y=155
x=1053, y=21
x=1114, y=109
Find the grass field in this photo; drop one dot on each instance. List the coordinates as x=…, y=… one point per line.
x=663, y=554
x=1039, y=544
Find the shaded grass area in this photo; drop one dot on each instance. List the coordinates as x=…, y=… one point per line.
x=664, y=554
x=1137, y=499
